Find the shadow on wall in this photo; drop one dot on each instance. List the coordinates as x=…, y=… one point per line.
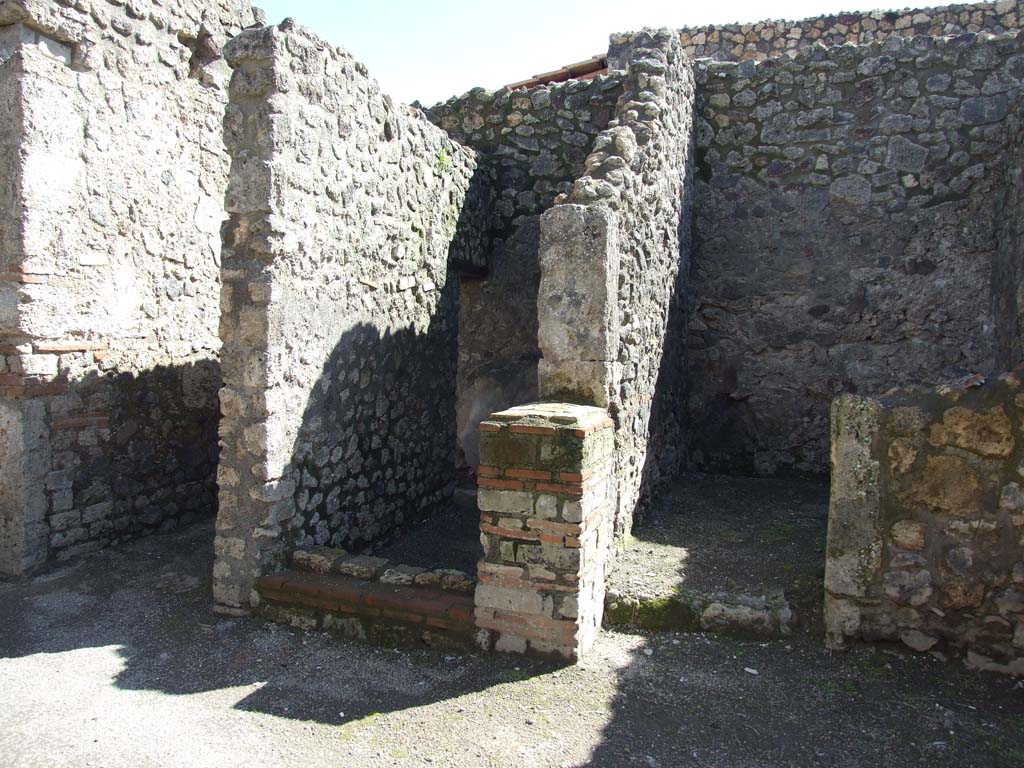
x=855, y=269
x=1008, y=264
x=667, y=448
x=498, y=349
x=130, y=453
x=377, y=444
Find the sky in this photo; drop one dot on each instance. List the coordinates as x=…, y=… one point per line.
x=429, y=50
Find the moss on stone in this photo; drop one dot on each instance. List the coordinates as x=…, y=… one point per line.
x=675, y=612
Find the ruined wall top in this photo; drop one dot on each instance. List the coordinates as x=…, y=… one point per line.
x=765, y=39
x=78, y=24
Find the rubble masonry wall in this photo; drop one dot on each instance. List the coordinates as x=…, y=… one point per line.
x=849, y=210
x=110, y=271
x=339, y=307
x=766, y=39
x=926, y=521
x=532, y=146
x=614, y=261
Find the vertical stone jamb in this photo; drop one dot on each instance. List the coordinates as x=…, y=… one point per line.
x=854, y=543
x=38, y=167
x=547, y=504
x=252, y=501
x=577, y=304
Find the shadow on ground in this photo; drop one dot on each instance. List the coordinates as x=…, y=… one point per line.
x=151, y=600
x=701, y=700
x=118, y=660
x=734, y=535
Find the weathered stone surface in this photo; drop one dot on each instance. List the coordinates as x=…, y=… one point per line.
x=847, y=237
x=905, y=155
x=918, y=641
x=361, y=566
x=902, y=454
x=455, y=580
x=988, y=432
x=948, y=484
x=114, y=174
x=984, y=109
x=908, y=534
x=740, y=620
x=909, y=587
x=318, y=559
x=577, y=304
x=952, y=561
x=853, y=546
x=401, y=574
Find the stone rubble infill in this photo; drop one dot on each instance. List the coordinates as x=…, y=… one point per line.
x=732, y=614
x=338, y=561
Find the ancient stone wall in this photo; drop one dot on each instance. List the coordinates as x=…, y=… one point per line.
x=110, y=285
x=1008, y=270
x=533, y=145
x=847, y=212
x=765, y=39
x=614, y=257
x=338, y=309
x=926, y=521
x=12, y=541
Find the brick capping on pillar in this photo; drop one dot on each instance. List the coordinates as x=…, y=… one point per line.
x=546, y=498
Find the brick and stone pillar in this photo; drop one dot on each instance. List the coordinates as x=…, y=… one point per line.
x=546, y=516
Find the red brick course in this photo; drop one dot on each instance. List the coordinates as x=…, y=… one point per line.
x=449, y=611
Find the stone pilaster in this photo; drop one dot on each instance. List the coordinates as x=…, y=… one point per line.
x=546, y=516
x=578, y=329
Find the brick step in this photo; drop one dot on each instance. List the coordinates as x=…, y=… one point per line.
x=371, y=610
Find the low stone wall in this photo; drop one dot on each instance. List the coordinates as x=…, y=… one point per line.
x=109, y=271
x=848, y=212
x=765, y=39
x=926, y=521
x=547, y=502
x=338, y=309
x=532, y=147
x=614, y=259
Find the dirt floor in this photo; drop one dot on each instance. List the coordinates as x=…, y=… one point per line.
x=117, y=660
x=449, y=539
x=711, y=534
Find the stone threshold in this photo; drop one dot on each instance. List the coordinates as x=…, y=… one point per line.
x=371, y=598
x=740, y=615
x=357, y=608
x=334, y=560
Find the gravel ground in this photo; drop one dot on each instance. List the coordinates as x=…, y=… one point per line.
x=117, y=660
x=709, y=534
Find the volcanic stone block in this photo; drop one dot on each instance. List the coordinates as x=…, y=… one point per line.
x=577, y=302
